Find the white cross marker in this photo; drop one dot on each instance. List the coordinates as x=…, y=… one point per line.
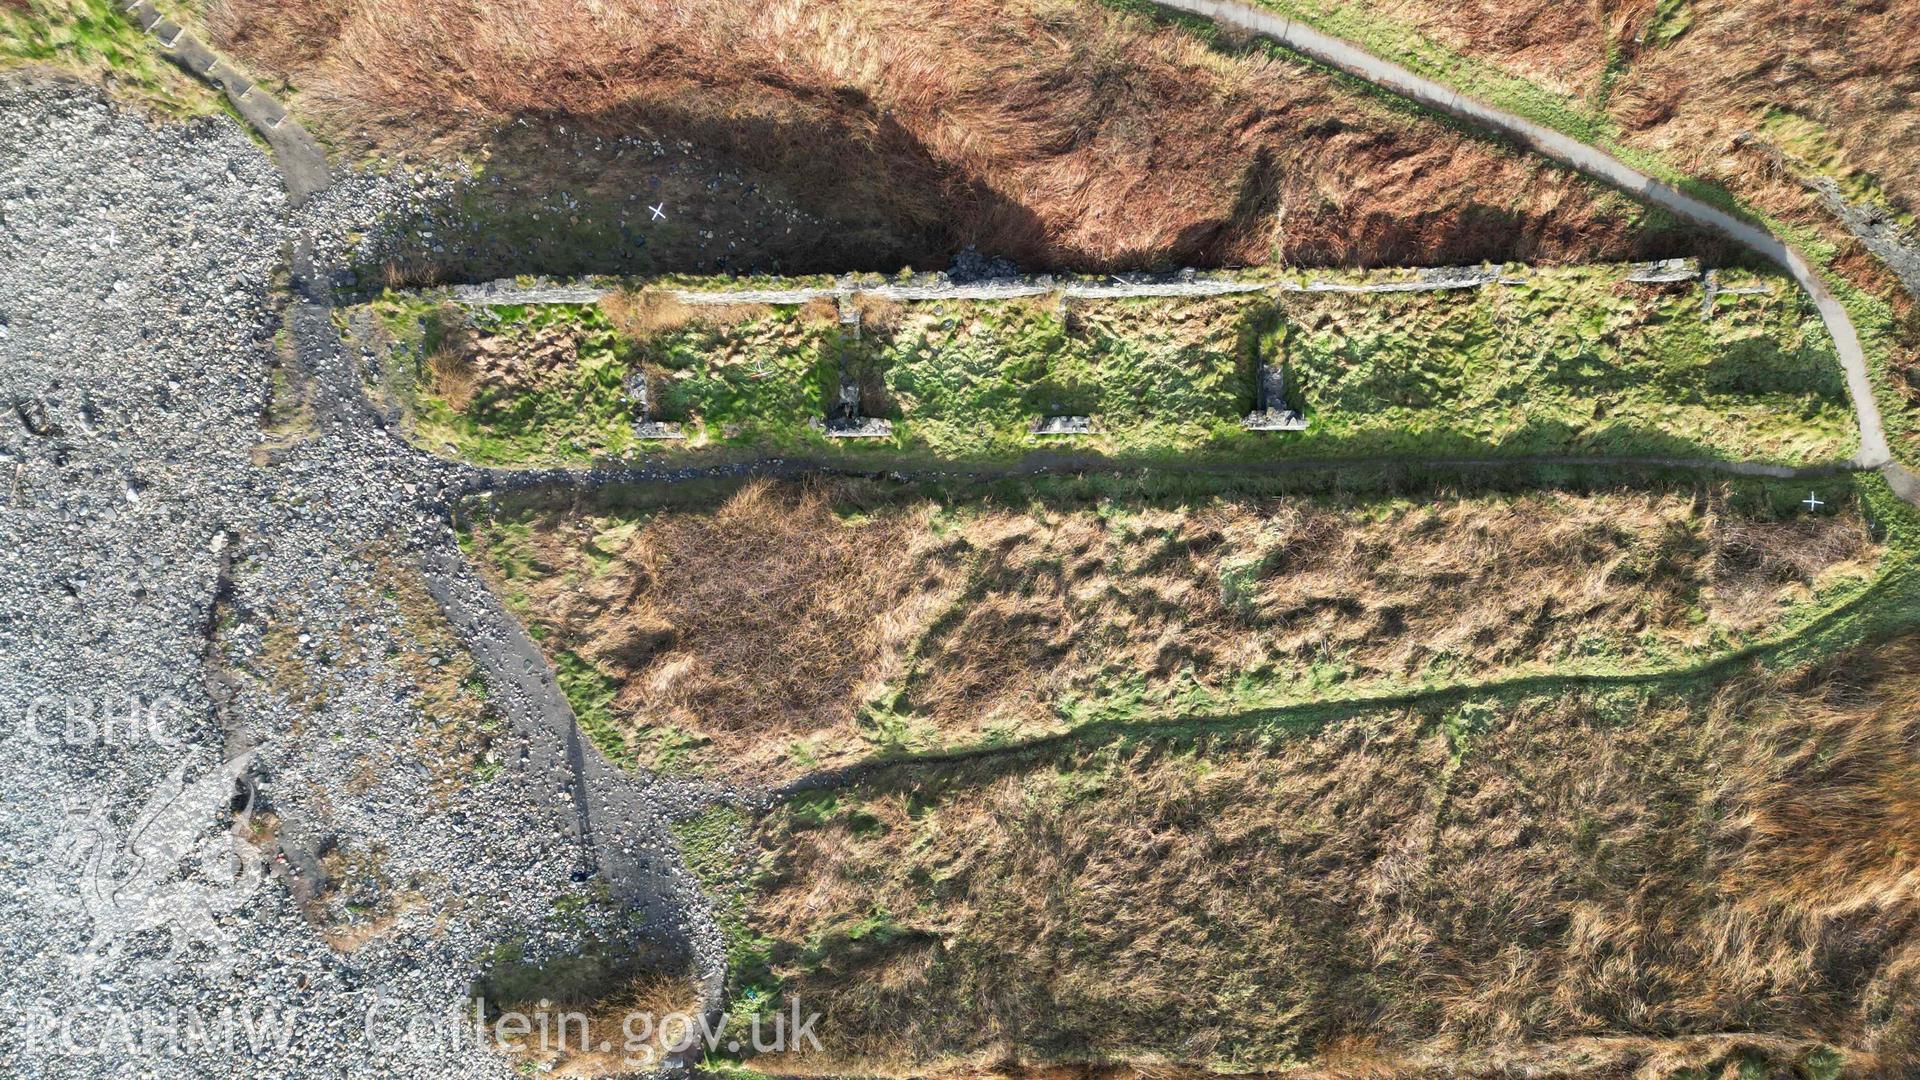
x=1812, y=502
x=659, y=212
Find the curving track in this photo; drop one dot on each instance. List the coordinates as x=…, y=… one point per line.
x=1591, y=160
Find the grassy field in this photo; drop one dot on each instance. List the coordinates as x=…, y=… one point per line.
x=1575, y=361
x=1704, y=877
x=93, y=38
x=766, y=631
x=1583, y=885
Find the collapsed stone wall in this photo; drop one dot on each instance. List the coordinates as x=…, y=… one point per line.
x=940, y=286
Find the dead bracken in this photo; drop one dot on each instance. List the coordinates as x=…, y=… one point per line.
x=1559, y=885
x=788, y=626
x=1058, y=135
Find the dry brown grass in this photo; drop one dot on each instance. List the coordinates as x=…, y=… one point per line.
x=455, y=375
x=775, y=607
x=410, y=273
x=819, y=311
x=1056, y=133
x=628, y=1021
x=752, y=624
x=1848, y=65
x=358, y=901
x=648, y=313
x=286, y=666
x=468, y=361
x=879, y=313
x=774, y=618
x=454, y=736
x=1576, y=889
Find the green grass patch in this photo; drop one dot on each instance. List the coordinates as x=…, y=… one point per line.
x=1190, y=606
x=1671, y=18
x=1582, y=120
x=1809, y=144
x=590, y=693
x=716, y=848
x=92, y=37
x=1573, y=362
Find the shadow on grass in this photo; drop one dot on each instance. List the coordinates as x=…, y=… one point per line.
x=1553, y=454
x=1063, y=483
x=599, y=970
x=848, y=189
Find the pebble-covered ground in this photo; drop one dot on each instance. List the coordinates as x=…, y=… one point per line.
x=300, y=831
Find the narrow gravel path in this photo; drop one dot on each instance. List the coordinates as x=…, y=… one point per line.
x=618, y=819
x=1345, y=56
x=1055, y=464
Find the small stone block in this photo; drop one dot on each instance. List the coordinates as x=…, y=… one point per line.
x=229, y=79
x=657, y=429
x=859, y=427
x=1663, y=271
x=1063, y=425
x=261, y=109
x=1275, y=420
x=189, y=53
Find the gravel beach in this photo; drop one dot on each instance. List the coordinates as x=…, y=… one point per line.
x=241, y=840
